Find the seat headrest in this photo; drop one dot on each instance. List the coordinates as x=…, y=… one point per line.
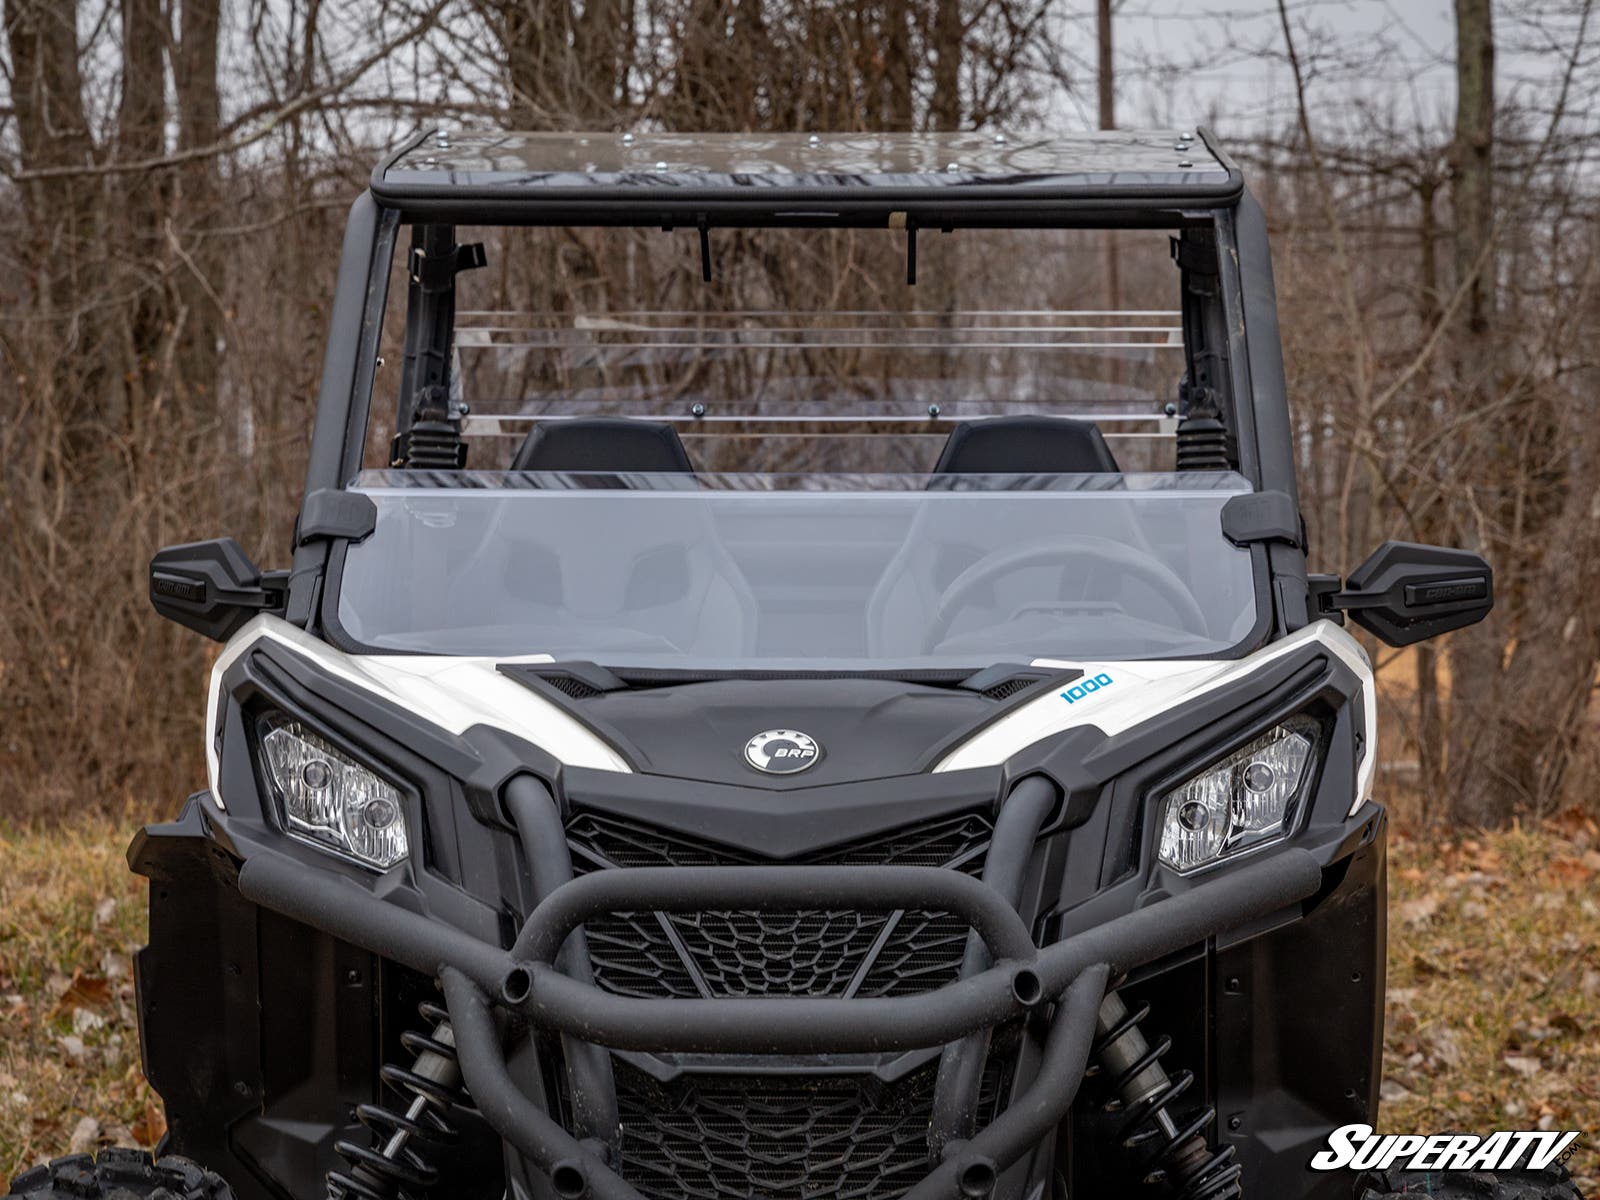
x=611, y=444
x=1026, y=446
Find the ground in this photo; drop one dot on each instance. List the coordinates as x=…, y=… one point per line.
x=1494, y=989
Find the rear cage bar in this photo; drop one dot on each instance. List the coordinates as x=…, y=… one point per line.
x=544, y=980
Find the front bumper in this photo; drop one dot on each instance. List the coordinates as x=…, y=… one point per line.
x=263, y=1039
x=1065, y=981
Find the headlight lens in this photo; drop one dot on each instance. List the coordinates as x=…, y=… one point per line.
x=327, y=797
x=1248, y=798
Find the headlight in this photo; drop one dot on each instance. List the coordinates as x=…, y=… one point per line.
x=1248, y=798
x=327, y=797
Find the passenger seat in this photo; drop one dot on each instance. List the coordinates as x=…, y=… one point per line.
x=1030, y=445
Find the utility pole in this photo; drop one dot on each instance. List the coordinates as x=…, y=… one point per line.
x=1108, y=120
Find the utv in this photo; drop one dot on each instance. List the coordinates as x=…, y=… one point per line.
x=790, y=694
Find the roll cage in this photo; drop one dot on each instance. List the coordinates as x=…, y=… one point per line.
x=1163, y=180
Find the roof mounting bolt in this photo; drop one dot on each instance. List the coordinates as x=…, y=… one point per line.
x=813, y=140
x=627, y=139
x=661, y=166
x=953, y=168
x=698, y=410
x=430, y=161
x=1185, y=163
x=999, y=139
x=933, y=410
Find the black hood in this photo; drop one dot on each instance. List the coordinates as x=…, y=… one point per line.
x=864, y=727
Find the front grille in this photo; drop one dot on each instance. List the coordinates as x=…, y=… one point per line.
x=796, y=953
x=779, y=1137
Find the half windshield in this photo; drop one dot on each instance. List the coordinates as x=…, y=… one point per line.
x=798, y=572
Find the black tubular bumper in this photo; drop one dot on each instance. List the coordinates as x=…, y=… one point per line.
x=1071, y=975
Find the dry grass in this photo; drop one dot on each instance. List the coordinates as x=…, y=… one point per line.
x=1494, y=985
x=71, y=916
x=1494, y=1005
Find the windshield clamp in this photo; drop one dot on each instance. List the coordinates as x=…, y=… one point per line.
x=1263, y=517
x=335, y=513
x=436, y=272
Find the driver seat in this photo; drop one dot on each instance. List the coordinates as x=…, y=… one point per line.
x=610, y=444
x=918, y=575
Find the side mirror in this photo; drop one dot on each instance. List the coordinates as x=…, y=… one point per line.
x=212, y=587
x=1406, y=593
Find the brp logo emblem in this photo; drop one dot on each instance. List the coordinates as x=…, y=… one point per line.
x=782, y=751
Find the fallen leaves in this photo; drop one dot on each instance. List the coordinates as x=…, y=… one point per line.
x=85, y=1136
x=1524, y=1064
x=82, y=992
x=1494, y=984
x=1493, y=1001
x=71, y=917
x=1419, y=911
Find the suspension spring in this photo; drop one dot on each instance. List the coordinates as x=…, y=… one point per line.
x=394, y=1166
x=1177, y=1154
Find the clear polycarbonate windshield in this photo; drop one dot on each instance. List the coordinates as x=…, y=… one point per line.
x=815, y=571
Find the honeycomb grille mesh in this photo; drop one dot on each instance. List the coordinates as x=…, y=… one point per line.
x=806, y=1137
x=784, y=1136
x=794, y=953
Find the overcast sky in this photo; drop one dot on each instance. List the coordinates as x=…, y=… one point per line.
x=1183, y=61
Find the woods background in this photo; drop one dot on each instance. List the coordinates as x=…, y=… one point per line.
x=173, y=181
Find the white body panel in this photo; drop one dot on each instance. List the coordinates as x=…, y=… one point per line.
x=457, y=693
x=1140, y=690
x=452, y=693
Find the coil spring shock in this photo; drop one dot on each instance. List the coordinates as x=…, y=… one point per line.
x=393, y=1168
x=1178, y=1155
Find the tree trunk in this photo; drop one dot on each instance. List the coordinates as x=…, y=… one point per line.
x=47, y=96
x=1430, y=734
x=141, y=209
x=948, y=35
x=898, y=66
x=200, y=279
x=1481, y=790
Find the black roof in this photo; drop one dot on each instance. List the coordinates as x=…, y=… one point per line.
x=643, y=178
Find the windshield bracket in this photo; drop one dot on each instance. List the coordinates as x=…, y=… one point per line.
x=333, y=513
x=1263, y=517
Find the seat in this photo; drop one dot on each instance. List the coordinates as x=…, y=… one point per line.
x=946, y=542
x=1028, y=445
x=610, y=444
x=661, y=569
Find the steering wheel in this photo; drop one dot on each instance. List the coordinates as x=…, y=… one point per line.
x=1052, y=552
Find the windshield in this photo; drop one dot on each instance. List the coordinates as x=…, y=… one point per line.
x=813, y=571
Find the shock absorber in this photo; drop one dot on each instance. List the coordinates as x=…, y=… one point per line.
x=393, y=1167
x=1141, y=1088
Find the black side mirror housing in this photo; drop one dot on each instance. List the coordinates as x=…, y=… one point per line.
x=1406, y=593
x=212, y=587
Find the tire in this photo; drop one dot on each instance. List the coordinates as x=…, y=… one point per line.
x=1552, y=1183
x=120, y=1175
